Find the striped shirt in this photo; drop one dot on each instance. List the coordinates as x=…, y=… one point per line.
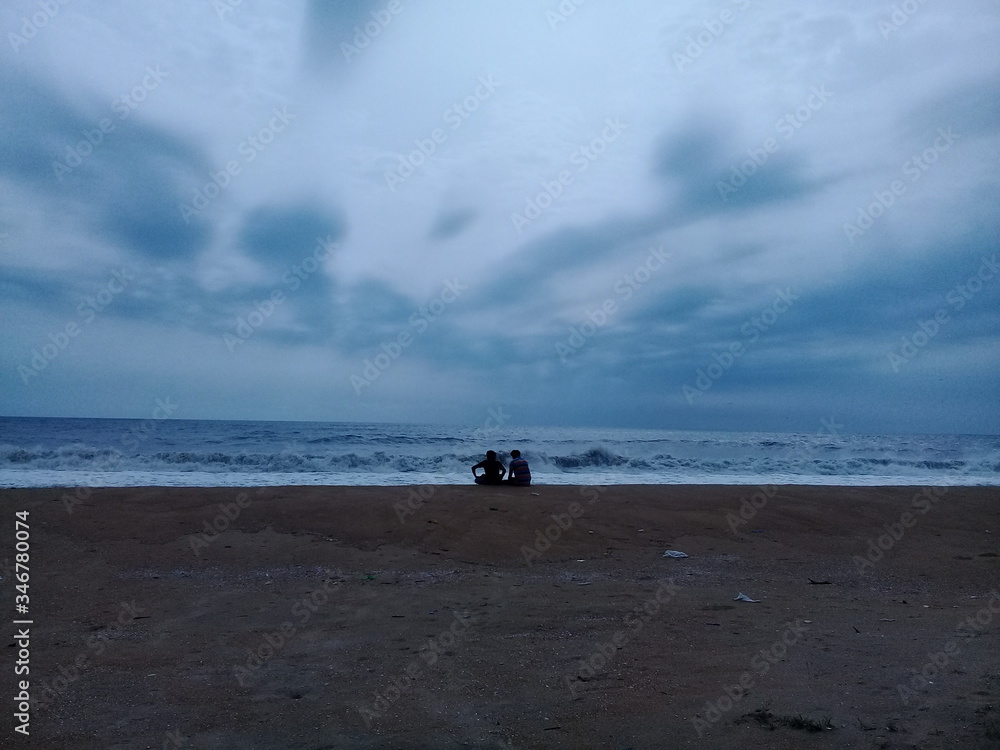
x=519, y=471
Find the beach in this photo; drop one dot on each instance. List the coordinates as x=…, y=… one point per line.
x=494, y=617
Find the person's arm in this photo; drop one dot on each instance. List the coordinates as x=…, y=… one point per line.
x=477, y=466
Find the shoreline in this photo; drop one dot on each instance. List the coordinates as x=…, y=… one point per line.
x=476, y=616
x=836, y=483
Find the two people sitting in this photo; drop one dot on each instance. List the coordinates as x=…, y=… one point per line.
x=494, y=471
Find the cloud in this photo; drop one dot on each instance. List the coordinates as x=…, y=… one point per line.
x=127, y=175
x=972, y=110
x=335, y=33
x=735, y=166
x=451, y=224
x=278, y=235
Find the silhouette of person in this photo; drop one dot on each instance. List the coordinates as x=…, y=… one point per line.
x=520, y=474
x=493, y=470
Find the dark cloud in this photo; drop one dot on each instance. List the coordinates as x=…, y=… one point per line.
x=900, y=295
x=681, y=173
x=713, y=178
x=690, y=160
x=282, y=235
x=551, y=260
x=680, y=305
x=451, y=224
x=142, y=213
x=690, y=152
x=45, y=290
x=372, y=312
x=329, y=25
x=972, y=110
x=129, y=174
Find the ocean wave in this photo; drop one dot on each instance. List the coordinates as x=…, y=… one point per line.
x=583, y=460
x=72, y=456
x=348, y=439
x=598, y=456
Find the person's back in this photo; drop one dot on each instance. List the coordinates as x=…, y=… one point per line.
x=493, y=470
x=520, y=474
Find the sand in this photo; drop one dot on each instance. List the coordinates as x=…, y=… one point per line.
x=478, y=617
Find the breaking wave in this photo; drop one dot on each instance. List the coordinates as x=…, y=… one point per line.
x=329, y=460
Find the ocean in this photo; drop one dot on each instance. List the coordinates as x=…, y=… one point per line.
x=49, y=452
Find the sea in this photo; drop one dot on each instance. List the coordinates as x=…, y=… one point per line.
x=56, y=452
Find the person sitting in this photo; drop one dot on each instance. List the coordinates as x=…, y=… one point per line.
x=520, y=474
x=493, y=470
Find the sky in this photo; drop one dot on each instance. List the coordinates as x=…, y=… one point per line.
x=729, y=215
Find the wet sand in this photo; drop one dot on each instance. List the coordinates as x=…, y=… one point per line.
x=478, y=617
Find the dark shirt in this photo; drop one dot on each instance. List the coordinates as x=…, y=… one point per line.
x=492, y=470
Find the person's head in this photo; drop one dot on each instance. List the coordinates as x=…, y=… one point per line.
x=515, y=453
x=492, y=455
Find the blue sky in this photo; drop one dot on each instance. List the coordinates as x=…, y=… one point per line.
x=729, y=215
